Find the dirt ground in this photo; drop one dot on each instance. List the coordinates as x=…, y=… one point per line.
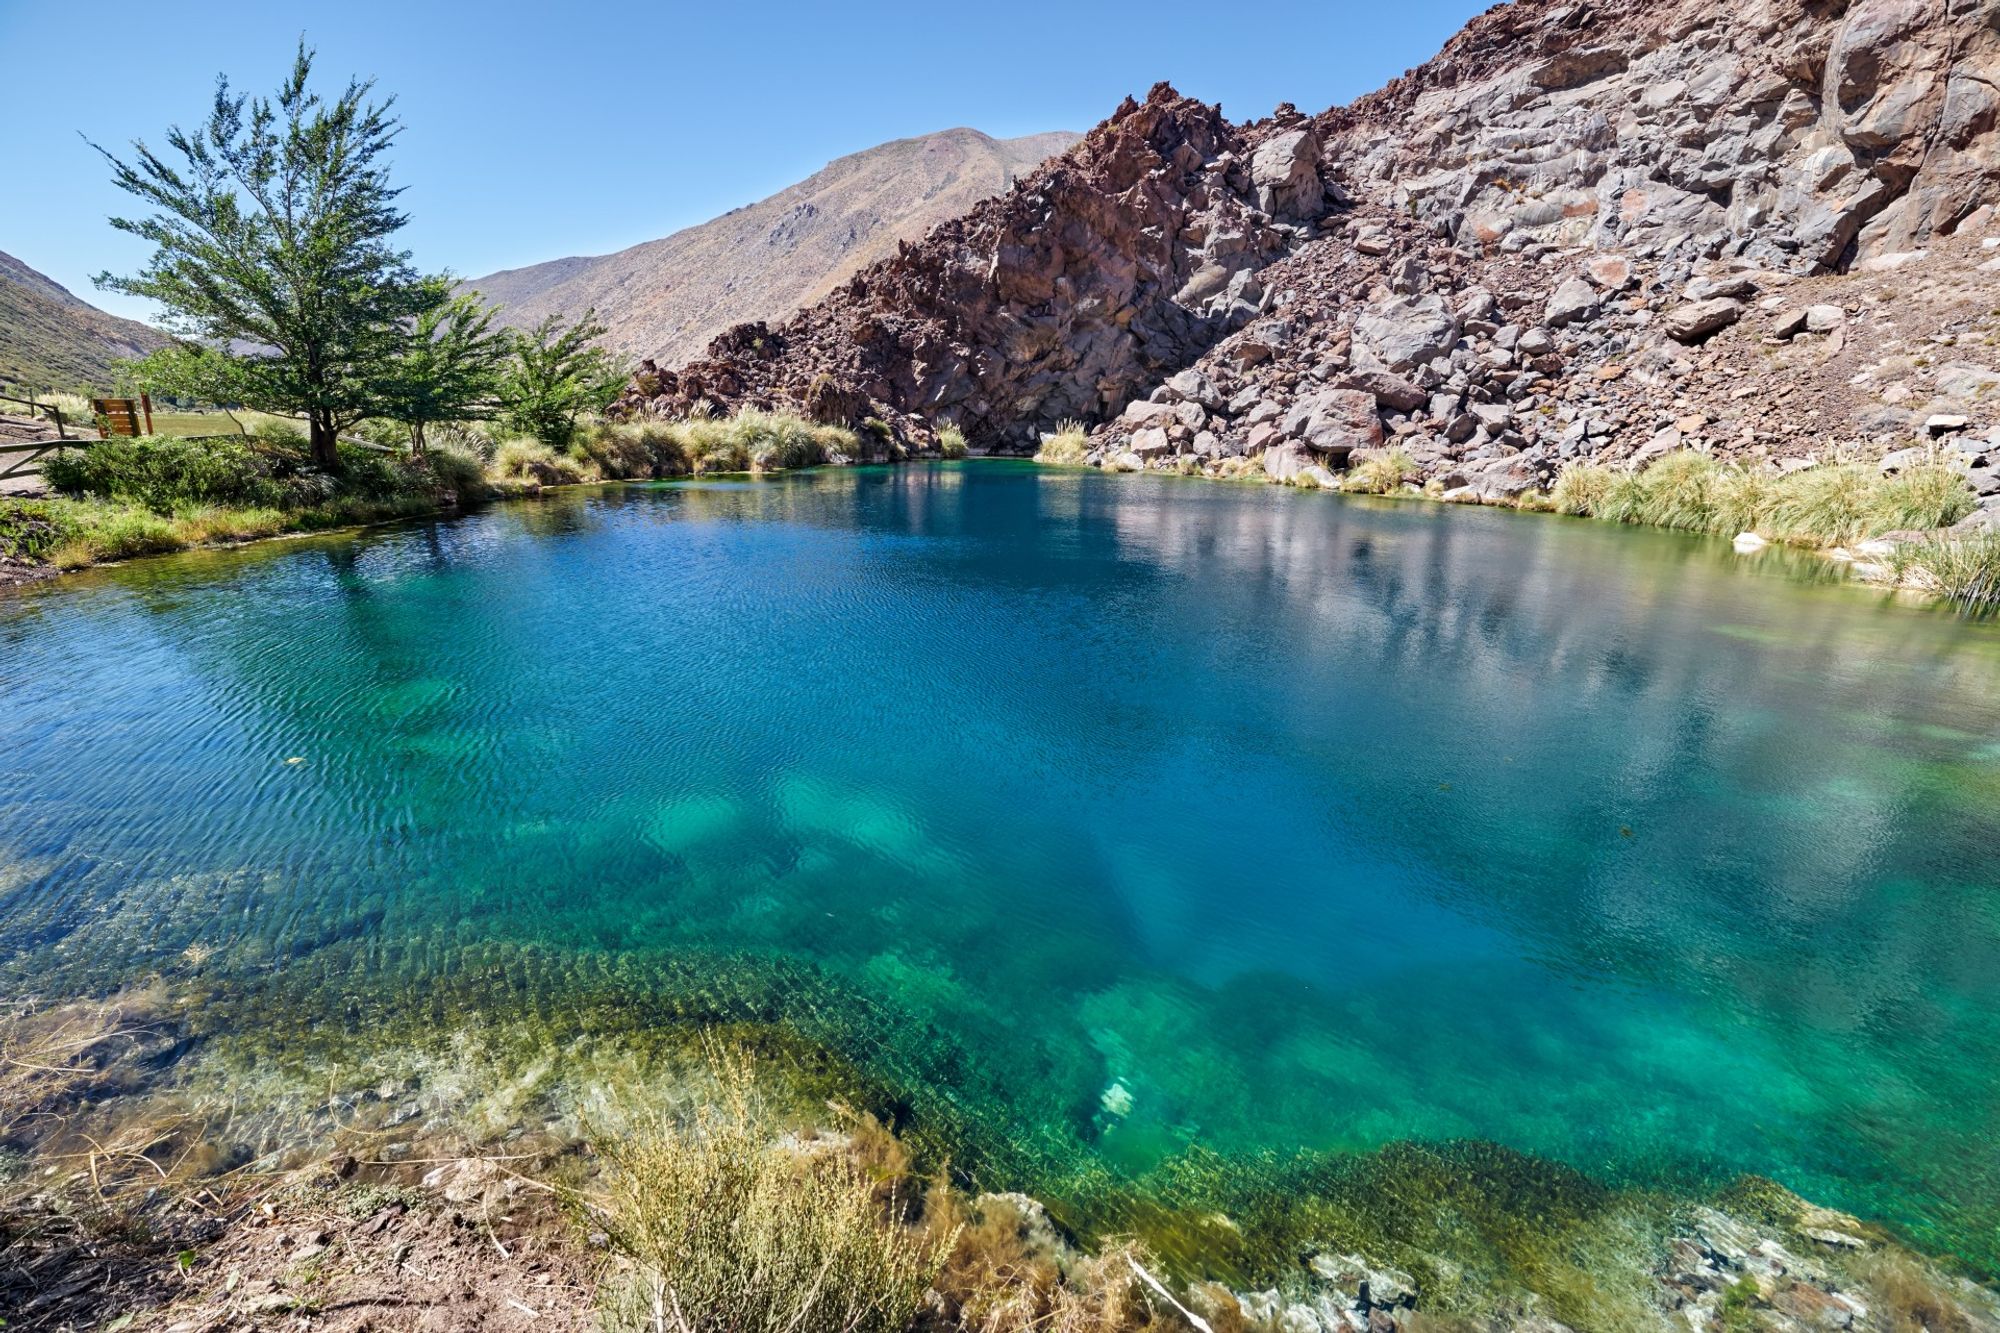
x=477, y=1247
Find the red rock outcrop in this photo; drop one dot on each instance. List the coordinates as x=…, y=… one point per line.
x=1583, y=230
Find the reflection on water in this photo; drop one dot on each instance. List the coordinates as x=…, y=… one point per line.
x=1102, y=816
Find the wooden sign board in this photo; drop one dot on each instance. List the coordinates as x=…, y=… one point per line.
x=122, y=416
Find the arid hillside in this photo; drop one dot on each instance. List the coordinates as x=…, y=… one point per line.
x=50, y=339
x=665, y=299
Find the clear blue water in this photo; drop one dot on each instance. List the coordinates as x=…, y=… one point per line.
x=1097, y=817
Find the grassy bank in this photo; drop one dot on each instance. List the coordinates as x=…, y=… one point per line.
x=124, y=498
x=1894, y=523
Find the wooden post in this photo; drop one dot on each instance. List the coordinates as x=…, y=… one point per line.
x=146, y=401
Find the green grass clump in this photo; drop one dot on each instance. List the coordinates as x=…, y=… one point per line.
x=758, y=441
x=1964, y=573
x=951, y=441
x=1678, y=492
x=731, y=1232
x=1922, y=498
x=532, y=462
x=1829, y=505
x=1380, y=471
x=635, y=450
x=1067, y=447
x=1581, y=488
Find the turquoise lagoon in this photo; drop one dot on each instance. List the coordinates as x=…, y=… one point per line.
x=1097, y=820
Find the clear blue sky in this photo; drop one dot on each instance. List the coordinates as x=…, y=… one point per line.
x=537, y=130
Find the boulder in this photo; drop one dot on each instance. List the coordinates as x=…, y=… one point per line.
x=1697, y=320
x=1390, y=391
x=1146, y=413
x=1408, y=332
x=1192, y=386
x=1284, y=462
x=1261, y=341
x=1575, y=299
x=1151, y=442
x=1335, y=421
x=1737, y=285
x=1611, y=272
x=1285, y=173
x=1824, y=318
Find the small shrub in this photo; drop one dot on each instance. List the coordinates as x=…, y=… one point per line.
x=1068, y=447
x=1378, y=472
x=31, y=529
x=167, y=474
x=283, y=435
x=951, y=441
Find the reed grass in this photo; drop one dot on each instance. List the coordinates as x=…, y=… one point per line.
x=1832, y=504
x=1068, y=447
x=1381, y=471
x=1965, y=573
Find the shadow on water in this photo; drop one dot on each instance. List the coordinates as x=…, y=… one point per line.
x=1106, y=820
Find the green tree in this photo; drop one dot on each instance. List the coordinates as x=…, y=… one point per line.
x=450, y=367
x=556, y=376
x=271, y=236
x=189, y=372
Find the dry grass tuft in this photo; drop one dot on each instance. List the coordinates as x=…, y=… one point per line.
x=1067, y=447
x=729, y=1231
x=1381, y=472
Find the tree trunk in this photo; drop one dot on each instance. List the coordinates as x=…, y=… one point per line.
x=416, y=439
x=325, y=455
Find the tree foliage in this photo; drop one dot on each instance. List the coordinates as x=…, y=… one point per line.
x=451, y=367
x=271, y=228
x=557, y=376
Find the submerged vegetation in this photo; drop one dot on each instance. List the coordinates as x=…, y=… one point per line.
x=728, y=1205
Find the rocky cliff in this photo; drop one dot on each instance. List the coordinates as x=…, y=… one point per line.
x=1582, y=230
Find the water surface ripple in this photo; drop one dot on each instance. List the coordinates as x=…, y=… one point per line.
x=1284, y=820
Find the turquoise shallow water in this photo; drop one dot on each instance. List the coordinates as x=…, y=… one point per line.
x=1109, y=815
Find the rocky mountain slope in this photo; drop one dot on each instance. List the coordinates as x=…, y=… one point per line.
x=666, y=298
x=1584, y=230
x=50, y=339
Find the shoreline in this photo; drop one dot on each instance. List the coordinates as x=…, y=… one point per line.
x=1865, y=567
x=499, y=1217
